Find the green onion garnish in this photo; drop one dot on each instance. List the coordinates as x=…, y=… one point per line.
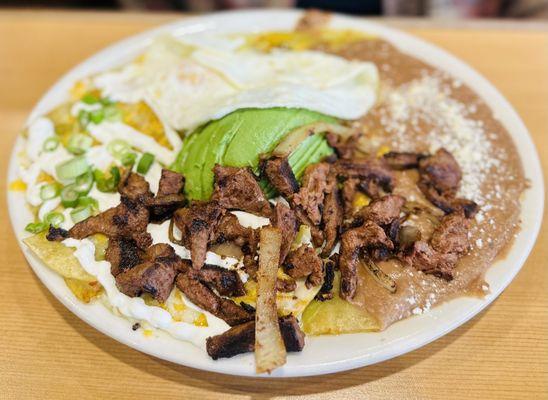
x=79, y=143
x=80, y=214
x=97, y=116
x=145, y=163
x=49, y=191
x=106, y=101
x=69, y=196
x=54, y=218
x=128, y=159
x=72, y=168
x=112, y=112
x=107, y=184
x=50, y=144
x=88, y=201
x=118, y=148
x=84, y=182
x=36, y=227
x=90, y=98
x=83, y=118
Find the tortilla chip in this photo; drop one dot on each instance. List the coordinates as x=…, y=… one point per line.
x=84, y=291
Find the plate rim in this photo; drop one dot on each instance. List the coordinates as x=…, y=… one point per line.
x=531, y=165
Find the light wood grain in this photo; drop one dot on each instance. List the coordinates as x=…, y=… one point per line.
x=46, y=352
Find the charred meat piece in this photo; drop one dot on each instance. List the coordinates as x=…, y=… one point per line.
x=122, y=254
x=153, y=277
x=367, y=237
x=402, y=161
x=237, y=189
x=56, y=234
x=197, y=224
x=284, y=219
x=169, y=197
x=439, y=257
x=164, y=253
x=128, y=220
x=225, y=282
x=325, y=292
x=372, y=171
x=442, y=171
x=285, y=285
x=333, y=214
x=280, y=175
x=304, y=263
x=384, y=210
x=344, y=148
x=134, y=187
x=349, y=189
x=204, y=297
x=230, y=230
x=446, y=201
x=241, y=338
x=311, y=195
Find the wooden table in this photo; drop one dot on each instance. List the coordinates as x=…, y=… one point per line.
x=47, y=352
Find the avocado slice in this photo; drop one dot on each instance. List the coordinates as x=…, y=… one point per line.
x=238, y=140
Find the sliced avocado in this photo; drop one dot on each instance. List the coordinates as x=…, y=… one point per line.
x=238, y=140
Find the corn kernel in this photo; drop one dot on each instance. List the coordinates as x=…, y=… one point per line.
x=201, y=320
x=148, y=332
x=382, y=151
x=360, y=200
x=46, y=178
x=18, y=186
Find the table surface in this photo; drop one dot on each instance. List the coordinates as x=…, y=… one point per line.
x=47, y=352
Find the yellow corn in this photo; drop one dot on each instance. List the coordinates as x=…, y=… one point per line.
x=18, y=186
x=382, y=151
x=148, y=332
x=201, y=320
x=360, y=200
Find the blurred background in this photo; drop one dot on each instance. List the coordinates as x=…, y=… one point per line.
x=432, y=8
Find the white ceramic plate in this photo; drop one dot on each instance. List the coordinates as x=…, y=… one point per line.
x=321, y=354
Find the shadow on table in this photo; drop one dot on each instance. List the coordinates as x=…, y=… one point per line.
x=253, y=388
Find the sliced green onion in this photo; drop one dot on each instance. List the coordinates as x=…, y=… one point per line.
x=106, y=101
x=112, y=112
x=107, y=184
x=72, y=168
x=80, y=214
x=84, y=182
x=69, y=196
x=83, y=118
x=145, y=163
x=118, y=148
x=51, y=144
x=90, y=98
x=88, y=201
x=128, y=159
x=49, y=191
x=36, y=227
x=54, y=218
x=97, y=116
x=79, y=143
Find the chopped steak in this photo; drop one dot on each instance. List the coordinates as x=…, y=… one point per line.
x=237, y=188
x=169, y=197
x=241, y=338
x=128, y=220
x=325, y=292
x=197, y=224
x=311, y=195
x=153, y=277
x=225, y=282
x=134, y=187
x=284, y=219
x=384, y=210
x=201, y=295
x=333, y=214
x=401, y=161
x=372, y=171
x=344, y=148
x=280, y=175
x=285, y=285
x=349, y=190
x=442, y=171
x=122, y=254
x=304, y=263
x=366, y=237
x=439, y=257
x=56, y=234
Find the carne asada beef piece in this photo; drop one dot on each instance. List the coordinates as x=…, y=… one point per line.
x=400, y=161
x=56, y=234
x=153, y=277
x=225, y=282
x=122, y=254
x=280, y=175
x=169, y=198
x=349, y=189
x=333, y=214
x=311, y=195
x=134, y=187
x=197, y=224
x=373, y=173
x=326, y=291
x=201, y=295
x=367, y=237
x=237, y=188
x=128, y=220
x=284, y=219
x=384, y=210
x=315, y=231
x=285, y=285
x=304, y=263
x=440, y=177
x=345, y=148
x=241, y=338
x=439, y=257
